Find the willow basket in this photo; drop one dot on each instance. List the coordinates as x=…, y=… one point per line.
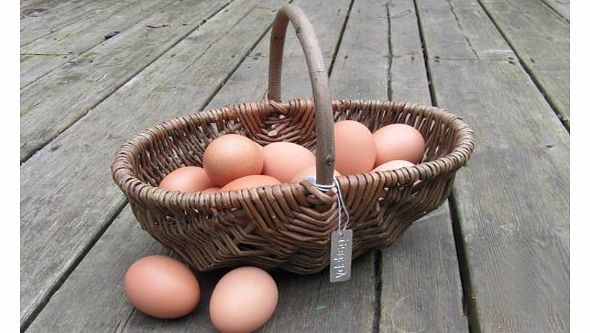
x=287, y=226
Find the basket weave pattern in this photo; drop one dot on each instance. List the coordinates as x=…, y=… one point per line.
x=285, y=226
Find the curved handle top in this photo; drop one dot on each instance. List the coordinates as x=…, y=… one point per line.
x=319, y=81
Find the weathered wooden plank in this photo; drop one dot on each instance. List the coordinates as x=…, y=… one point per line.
x=83, y=35
x=421, y=287
x=562, y=7
x=360, y=71
x=38, y=8
x=40, y=18
x=67, y=195
x=313, y=304
x=52, y=103
x=541, y=40
x=462, y=34
x=512, y=199
x=516, y=232
x=250, y=81
x=408, y=78
x=85, y=302
x=32, y=67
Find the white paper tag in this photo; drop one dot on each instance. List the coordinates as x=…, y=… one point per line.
x=340, y=255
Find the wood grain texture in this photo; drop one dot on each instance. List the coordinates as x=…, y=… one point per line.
x=421, y=286
x=40, y=18
x=249, y=82
x=313, y=304
x=512, y=198
x=39, y=8
x=541, y=40
x=420, y=276
x=52, y=103
x=67, y=194
x=361, y=69
x=92, y=299
x=562, y=7
x=460, y=33
x=83, y=35
x=34, y=66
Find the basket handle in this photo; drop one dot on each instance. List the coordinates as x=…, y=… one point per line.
x=319, y=82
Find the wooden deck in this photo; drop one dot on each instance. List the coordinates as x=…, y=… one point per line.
x=494, y=259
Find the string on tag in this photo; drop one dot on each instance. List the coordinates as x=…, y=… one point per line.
x=343, y=216
x=341, y=239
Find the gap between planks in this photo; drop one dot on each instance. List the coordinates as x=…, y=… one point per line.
x=425, y=55
x=335, y=56
x=233, y=70
x=108, y=19
x=378, y=283
x=555, y=11
x=469, y=300
x=122, y=83
x=470, y=303
x=468, y=306
x=389, y=54
x=76, y=260
x=564, y=120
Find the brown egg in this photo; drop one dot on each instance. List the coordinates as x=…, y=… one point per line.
x=392, y=165
x=308, y=172
x=398, y=142
x=355, y=147
x=230, y=157
x=243, y=300
x=283, y=159
x=162, y=287
x=186, y=179
x=251, y=181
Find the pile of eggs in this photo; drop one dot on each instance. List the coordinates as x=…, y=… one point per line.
x=246, y=297
x=232, y=162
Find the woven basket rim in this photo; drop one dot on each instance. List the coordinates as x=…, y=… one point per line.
x=126, y=178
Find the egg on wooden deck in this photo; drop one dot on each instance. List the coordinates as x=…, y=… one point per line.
x=399, y=142
x=243, y=300
x=186, y=179
x=283, y=159
x=354, y=147
x=230, y=157
x=162, y=287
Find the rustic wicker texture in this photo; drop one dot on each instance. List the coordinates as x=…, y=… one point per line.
x=285, y=226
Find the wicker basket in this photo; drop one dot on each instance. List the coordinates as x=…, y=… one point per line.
x=287, y=226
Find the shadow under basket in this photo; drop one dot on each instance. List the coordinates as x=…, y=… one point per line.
x=287, y=226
